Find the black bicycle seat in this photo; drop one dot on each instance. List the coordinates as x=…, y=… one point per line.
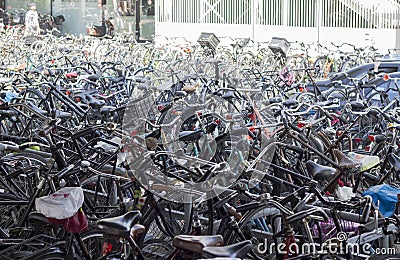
x=196, y=243
x=345, y=162
x=320, y=172
x=291, y=102
x=119, y=226
x=239, y=250
x=38, y=219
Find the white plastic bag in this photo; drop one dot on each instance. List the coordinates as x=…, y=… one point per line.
x=345, y=193
x=62, y=204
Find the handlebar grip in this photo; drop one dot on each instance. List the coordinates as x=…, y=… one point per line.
x=388, y=118
x=285, y=122
x=232, y=211
x=353, y=217
x=297, y=149
x=395, y=120
x=6, y=147
x=367, y=209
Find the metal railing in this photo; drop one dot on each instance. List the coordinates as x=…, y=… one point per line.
x=378, y=14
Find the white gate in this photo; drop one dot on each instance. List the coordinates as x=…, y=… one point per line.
x=304, y=20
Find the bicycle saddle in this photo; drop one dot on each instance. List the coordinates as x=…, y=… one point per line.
x=71, y=75
x=140, y=79
x=119, y=226
x=62, y=115
x=38, y=219
x=107, y=109
x=370, y=226
x=94, y=77
x=228, y=95
x=367, y=161
x=238, y=250
x=356, y=105
x=345, y=162
x=196, y=243
x=380, y=138
x=144, y=85
x=8, y=113
x=320, y=172
x=95, y=103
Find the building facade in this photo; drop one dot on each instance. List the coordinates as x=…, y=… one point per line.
x=360, y=22
x=79, y=14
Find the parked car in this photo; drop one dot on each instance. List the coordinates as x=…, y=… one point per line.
x=366, y=72
x=383, y=89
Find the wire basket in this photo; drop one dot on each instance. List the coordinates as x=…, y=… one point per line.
x=279, y=45
x=143, y=107
x=208, y=40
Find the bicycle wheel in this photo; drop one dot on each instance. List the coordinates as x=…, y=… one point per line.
x=246, y=60
x=162, y=223
x=155, y=249
x=224, y=56
x=94, y=242
x=297, y=64
x=101, y=197
x=22, y=167
x=323, y=66
x=11, y=210
x=256, y=226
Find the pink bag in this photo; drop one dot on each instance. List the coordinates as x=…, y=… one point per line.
x=75, y=224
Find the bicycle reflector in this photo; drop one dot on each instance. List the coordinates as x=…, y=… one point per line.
x=386, y=77
x=301, y=124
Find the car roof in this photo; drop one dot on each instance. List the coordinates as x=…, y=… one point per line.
x=379, y=79
x=387, y=67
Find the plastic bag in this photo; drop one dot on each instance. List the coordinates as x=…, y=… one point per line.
x=62, y=204
x=386, y=196
x=75, y=224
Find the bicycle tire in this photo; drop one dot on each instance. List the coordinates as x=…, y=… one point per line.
x=324, y=68
x=12, y=213
x=158, y=227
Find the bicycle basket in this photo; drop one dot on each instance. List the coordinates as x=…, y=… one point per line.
x=279, y=45
x=208, y=40
x=242, y=42
x=143, y=107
